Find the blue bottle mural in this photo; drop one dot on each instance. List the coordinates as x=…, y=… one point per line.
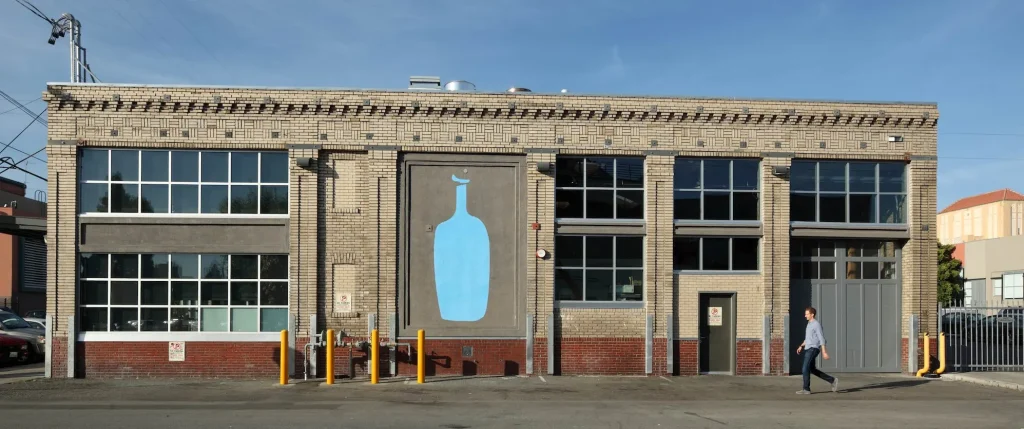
x=462, y=262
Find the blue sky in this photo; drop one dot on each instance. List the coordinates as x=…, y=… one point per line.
x=965, y=55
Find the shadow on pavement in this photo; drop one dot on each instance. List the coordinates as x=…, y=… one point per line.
x=890, y=385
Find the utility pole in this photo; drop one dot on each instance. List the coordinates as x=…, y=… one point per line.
x=67, y=24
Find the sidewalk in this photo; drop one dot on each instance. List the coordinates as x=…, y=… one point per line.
x=1006, y=380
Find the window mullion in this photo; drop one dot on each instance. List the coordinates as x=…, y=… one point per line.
x=259, y=182
x=701, y=186
x=732, y=185
x=229, y=181
x=583, y=296
x=846, y=186
x=614, y=266
x=817, y=192
x=700, y=253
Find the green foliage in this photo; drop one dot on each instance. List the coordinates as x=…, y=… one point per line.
x=950, y=283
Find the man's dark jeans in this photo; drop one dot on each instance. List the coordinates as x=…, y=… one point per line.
x=810, y=355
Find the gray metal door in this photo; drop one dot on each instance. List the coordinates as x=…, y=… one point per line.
x=855, y=286
x=717, y=333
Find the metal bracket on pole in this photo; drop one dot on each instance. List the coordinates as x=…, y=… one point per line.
x=72, y=341
x=912, y=345
x=670, y=345
x=785, y=344
x=529, y=344
x=551, y=344
x=649, y=345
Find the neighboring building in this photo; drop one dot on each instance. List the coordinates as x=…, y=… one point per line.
x=22, y=258
x=995, y=275
x=526, y=233
x=985, y=216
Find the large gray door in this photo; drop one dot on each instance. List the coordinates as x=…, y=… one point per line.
x=855, y=286
x=717, y=333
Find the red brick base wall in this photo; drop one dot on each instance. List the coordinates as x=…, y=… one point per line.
x=778, y=357
x=687, y=360
x=445, y=357
x=599, y=356
x=749, y=357
x=202, y=359
x=933, y=344
x=58, y=357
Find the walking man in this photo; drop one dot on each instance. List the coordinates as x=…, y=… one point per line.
x=814, y=343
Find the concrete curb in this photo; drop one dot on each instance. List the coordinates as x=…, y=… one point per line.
x=984, y=382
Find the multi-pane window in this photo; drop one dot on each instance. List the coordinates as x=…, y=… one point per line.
x=851, y=260
x=848, y=192
x=717, y=189
x=183, y=292
x=599, y=268
x=131, y=181
x=715, y=254
x=1013, y=286
x=599, y=188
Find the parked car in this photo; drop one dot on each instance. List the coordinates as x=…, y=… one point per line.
x=35, y=314
x=13, y=350
x=13, y=325
x=36, y=323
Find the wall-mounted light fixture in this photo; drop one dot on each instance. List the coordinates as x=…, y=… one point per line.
x=545, y=167
x=781, y=171
x=304, y=162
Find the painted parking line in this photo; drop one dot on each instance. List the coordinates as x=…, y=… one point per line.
x=542, y=378
x=666, y=379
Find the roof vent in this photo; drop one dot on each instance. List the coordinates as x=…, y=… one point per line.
x=516, y=89
x=430, y=83
x=459, y=85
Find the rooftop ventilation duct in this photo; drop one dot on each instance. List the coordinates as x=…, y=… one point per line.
x=459, y=85
x=428, y=83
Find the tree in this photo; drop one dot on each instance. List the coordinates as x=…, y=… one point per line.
x=950, y=283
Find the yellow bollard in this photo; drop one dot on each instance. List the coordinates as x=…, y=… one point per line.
x=421, y=357
x=330, y=356
x=284, y=356
x=942, y=353
x=927, y=357
x=374, y=353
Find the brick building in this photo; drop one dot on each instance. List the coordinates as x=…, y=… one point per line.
x=22, y=252
x=526, y=233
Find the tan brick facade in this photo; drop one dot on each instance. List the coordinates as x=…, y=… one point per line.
x=345, y=215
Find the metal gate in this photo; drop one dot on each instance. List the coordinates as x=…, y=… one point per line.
x=983, y=338
x=855, y=286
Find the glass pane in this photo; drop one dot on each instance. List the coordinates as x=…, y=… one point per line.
x=154, y=293
x=852, y=249
x=862, y=208
x=245, y=199
x=93, y=319
x=213, y=199
x=744, y=254
x=795, y=271
x=155, y=165
x=803, y=207
x=569, y=172
x=686, y=253
x=215, y=319
x=870, y=249
x=832, y=176
x=274, y=267
x=600, y=204
x=215, y=167
x=827, y=270
x=599, y=251
x=93, y=164
x=862, y=177
x=273, y=293
x=184, y=266
x=827, y=248
x=124, y=319
x=629, y=252
x=244, y=167
x=891, y=177
x=124, y=165
x=185, y=320
x=184, y=199
x=833, y=207
x=124, y=198
x=686, y=174
x=124, y=293
x=184, y=166
x=274, y=167
x=888, y=249
x=808, y=247
x=716, y=174
x=184, y=293
x=893, y=208
x=716, y=205
x=745, y=206
x=716, y=253
x=870, y=270
x=124, y=266
x=801, y=176
x=568, y=251
x=599, y=172
x=244, y=267
x=568, y=285
x=154, y=198
x=93, y=265
x=244, y=320
x=629, y=205
x=244, y=293
x=93, y=198
x=686, y=205
x=811, y=269
x=629, y=172
x=154, y=319
x=568, y=204
x=273, y=319
x=273, y=199
x=600, y=284
x=746, y=174
x=888, y=270
x=213, y=266
x=853, y=270
x=93, y=293
x=213, y=293
x=629, y=285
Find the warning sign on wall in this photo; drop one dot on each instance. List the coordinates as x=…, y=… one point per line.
x=714, y=316
x=342, y=302
x=176, y=351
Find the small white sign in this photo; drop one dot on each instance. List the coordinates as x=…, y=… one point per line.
x=714, y=316
x=176, y=351
x=342, y=302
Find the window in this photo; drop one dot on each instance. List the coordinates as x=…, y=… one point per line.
x=717, y=189
x=715, y=254
x=1013, y=286
x=997, y=286
x=127, y=181
x=183, y=292
x=599, y=268
x=599, y=188
x=848, y=192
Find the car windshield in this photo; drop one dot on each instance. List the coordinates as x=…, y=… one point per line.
x=12, y=321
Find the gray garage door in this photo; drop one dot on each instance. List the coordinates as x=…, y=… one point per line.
x=855, y=286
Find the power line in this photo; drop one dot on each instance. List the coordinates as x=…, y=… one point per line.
x=22, y=132
x=197, y=39
x=23, y=108
x=970, y=133
x=16, y=107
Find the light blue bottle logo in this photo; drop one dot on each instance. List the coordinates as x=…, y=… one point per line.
x=462, y=262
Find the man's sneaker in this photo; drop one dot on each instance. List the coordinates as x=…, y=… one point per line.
x=803, y=392
x=835, y=385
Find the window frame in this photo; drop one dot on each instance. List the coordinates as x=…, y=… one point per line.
x=1018, y=274
x=615, y=219
x=700, y=257
x=732, y=192
x=877, y=193
x=199, y=183
x=614, y=268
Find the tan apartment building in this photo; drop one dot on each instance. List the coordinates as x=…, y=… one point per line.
x=985, y=216
x=995, y=275
x=526, y=233
x=22, y=255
